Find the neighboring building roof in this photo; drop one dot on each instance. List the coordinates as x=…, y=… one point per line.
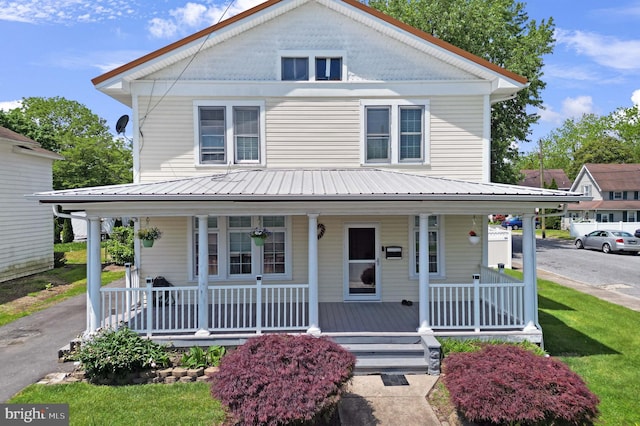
x=25, y=145
x=612, y=177
x=309, y=185
x=532, y=178
x=206, y=38
x=606, y=205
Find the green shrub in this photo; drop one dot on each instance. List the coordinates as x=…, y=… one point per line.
x=197, y=357
x=67, y=231
x=451, y=345
x=120, y=246
x=112, y=355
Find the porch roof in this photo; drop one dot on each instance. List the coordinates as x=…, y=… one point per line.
x=309, y=185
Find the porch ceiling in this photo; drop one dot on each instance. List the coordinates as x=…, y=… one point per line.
x=327, y=189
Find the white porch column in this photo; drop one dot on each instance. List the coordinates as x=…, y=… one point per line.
x=313, y=274
x=203, y=276
x=423, y=274
x=529, y=271
x=94, y=278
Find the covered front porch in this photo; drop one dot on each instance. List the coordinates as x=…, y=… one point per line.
x=390, y=209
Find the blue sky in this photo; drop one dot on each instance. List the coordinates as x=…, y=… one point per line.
x=55, y=47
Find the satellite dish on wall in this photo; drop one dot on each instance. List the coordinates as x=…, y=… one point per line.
x=121, y=125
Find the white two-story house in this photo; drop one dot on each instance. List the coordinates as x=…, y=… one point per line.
x=362, y=145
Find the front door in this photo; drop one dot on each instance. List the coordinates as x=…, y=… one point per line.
x=361, y=270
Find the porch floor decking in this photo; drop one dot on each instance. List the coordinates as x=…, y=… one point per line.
x=375, y=317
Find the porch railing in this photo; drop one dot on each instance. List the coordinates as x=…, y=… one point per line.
x=232, y=308
x=492, y=301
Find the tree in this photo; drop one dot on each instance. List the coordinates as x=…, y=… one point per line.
x=501, y=32
x=93, y=156
x=613, y=138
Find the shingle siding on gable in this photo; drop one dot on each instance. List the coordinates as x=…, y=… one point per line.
x=370, y=56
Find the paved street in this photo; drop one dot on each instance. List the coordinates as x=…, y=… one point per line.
x=615, y=272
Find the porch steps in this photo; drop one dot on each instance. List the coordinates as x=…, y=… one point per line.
x=399, y=358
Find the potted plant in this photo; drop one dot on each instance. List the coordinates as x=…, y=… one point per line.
x=259, y=235
x=149, y=235
x=473, y=237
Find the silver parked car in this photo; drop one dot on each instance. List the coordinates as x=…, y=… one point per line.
x=608, y=241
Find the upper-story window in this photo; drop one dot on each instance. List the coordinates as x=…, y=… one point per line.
x=229, y=132
x=328, y=68
x=295, y=69
x=311, y=65
x=586, y=190
x=617, y=195
x=394, y=132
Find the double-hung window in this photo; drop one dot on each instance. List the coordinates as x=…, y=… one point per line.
x=212, y=238
x=229, y=132
x=378, y=121
x=395, y=132
x=246, y=133
x=233, y=254
x=435, y=246
x=240, y=249
x=212, y=135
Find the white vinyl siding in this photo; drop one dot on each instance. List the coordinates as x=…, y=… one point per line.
x=26, y=228
x=456, y=146
x=312, y=133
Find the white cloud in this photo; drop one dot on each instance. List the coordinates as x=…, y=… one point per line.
x=607, y=51
x=571, y=108
x=63, y=11
x=9, y=105
x=195, y=16
x=635, y=97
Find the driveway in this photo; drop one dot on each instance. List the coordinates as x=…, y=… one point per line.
x=29, y=346
x=615, y=272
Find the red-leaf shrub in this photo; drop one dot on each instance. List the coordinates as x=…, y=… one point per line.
x=282, y=379
x=505, y=384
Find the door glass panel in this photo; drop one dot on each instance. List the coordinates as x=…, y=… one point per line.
x=362, y=266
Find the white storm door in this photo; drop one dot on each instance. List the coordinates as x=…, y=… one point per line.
x=361, y=262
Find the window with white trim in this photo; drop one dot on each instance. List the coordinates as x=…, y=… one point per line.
x=394, y=132
x=311, y=65
x=230, y=242
x=435, y=246
x=586, y=190
x=328, y=68
x=240, y=249
x=295, y=69
x=229, y=132
x=212, y=237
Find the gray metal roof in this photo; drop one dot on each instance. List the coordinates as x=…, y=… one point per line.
x=308, y=185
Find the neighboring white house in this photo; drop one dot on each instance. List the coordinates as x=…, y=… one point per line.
x=360, y=143
x=26, y=228
x=615, y=189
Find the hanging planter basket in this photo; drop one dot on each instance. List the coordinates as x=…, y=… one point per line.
x=258, y=241
x=147, y=243
x=474, y=239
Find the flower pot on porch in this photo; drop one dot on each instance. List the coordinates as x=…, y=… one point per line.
x=147, y=243
x=474, y=239
x=258, y=241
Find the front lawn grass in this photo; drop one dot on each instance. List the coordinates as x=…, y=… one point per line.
x=26, y=295
x=599, y=341
x=176, y=404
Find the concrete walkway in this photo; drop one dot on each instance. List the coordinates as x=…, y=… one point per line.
x=369, y=402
